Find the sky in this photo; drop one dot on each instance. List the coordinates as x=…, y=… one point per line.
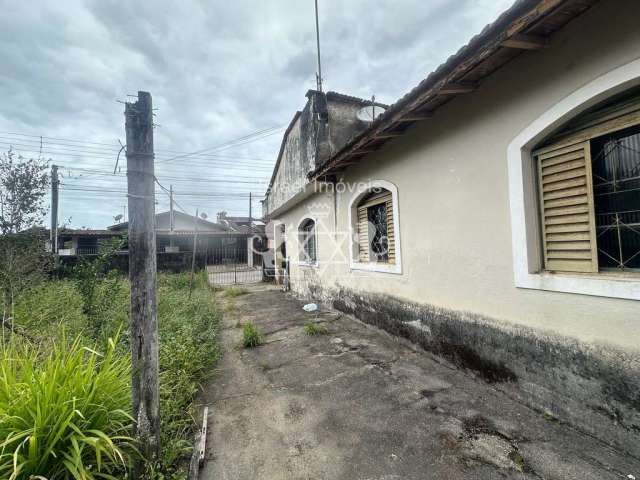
x=224, y=76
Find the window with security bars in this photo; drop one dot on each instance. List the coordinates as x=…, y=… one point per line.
x=308, y=242
x=589, y=191
x=376, y=239
x=616, y=190
x=378, y=243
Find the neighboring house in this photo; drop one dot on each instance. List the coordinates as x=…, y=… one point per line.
x=216, y=242
x=492, y=214
x=240, y=224
x=73, y=242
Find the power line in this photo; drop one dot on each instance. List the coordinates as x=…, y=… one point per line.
x=237, y=142
x=115, y=147
x=214, y=162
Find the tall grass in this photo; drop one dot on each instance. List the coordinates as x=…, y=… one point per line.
x=53, y=380
x=64, y=413
x=188, y=329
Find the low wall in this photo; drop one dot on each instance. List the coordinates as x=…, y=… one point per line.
x=592, y=387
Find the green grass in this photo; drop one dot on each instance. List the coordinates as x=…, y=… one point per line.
x=64, y=413
x=188, y=332
x=311, y=329
x=233, y=292
x=251, y=336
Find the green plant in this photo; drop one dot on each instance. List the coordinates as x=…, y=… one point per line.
x=251, y=336
x=89, y=275
x=48, y=310
x=311, y=328
x=64, y=413
x=233, y=292
x=188, y=352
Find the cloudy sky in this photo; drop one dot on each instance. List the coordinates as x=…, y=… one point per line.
x=224, y=76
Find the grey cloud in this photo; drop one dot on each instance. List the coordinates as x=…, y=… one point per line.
x=217, y=71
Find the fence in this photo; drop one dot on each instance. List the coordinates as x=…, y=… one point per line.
x=233, y=265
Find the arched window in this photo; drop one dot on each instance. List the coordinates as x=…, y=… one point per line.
x=588, y=183
x=376, y=234
x=307, y=235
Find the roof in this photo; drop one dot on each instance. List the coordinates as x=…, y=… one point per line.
x=350, y=99
x=527, y=25
x=201, y=222
x=86, y=232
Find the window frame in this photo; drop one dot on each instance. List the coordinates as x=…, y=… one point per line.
x=303, y=259
x=354, y=203
x=523, y=195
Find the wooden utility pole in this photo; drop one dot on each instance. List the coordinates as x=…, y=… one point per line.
x=142, y=275
x=53, y=234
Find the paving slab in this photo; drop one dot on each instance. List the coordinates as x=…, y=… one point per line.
x=357, y=403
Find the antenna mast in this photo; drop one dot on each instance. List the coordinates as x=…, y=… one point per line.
x=319, y=74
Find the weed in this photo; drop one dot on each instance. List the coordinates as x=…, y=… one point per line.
x=311, y=329
x=66, y=412
x=251, y=336
x=233, y=292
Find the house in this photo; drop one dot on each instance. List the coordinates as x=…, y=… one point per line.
x=176, y=232
x=239, y=223
x=492, y=214
x=72, y=242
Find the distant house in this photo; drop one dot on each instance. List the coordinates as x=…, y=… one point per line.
x=240, y=224
x=492, y=213
x=72, y=242
x=217, y=242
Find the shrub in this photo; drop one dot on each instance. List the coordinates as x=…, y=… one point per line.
x=311, y=329
x=48, y=309
x=233, y=292
x=251, y=336
x=64, y=413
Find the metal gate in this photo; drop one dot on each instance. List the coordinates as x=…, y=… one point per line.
x=233, y=265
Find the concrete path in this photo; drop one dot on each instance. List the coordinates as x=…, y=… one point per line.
x=359, y=404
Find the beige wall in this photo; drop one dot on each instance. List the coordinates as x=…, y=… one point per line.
x=451, y=175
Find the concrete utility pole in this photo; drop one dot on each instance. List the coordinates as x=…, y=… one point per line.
x=171, y=221
x=142, y=275
x=193, y=255
x=53, y=234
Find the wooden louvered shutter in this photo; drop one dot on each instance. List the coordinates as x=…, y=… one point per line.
x=363, y=237
x=365, y=231
x=565, y=189
x=391, y=239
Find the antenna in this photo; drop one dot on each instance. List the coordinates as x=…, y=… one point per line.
x=319, y=74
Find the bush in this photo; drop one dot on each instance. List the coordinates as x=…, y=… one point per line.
x=311, y=329
x=64, y=413
x=251, y=336
x=49, y=309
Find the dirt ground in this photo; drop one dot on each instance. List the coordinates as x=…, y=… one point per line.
x=357, y=403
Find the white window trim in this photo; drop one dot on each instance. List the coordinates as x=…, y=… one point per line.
x=523, y=201
x=304, y=263
x=354, y=263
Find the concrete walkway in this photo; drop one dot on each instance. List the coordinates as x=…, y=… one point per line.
x=359, y=404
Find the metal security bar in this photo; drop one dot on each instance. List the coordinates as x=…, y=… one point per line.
x=616, y=183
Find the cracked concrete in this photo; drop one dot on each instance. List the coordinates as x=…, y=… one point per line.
x=360, y=404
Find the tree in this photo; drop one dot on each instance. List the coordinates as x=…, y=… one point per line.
x=23, y=187
x=23, y=260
